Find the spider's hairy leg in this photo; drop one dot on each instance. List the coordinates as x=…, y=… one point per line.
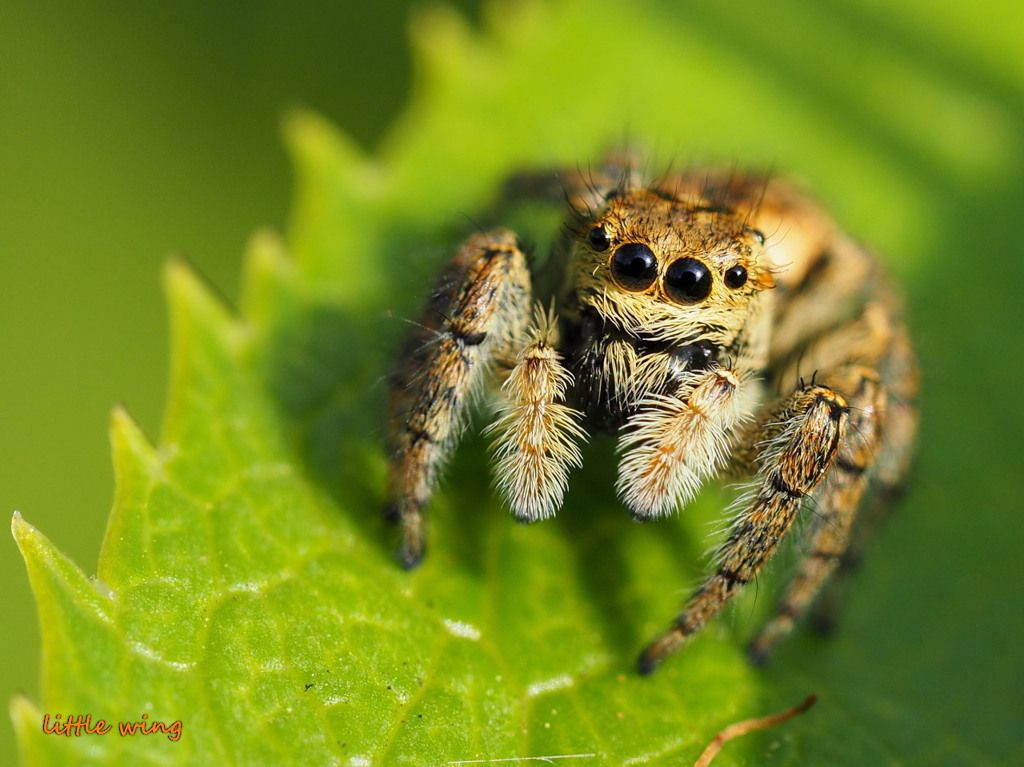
x=803, y=435
x=877, y=339
x=478, y=308
x=536, y=433
x=837, y=501
x=675, y=443
x=898, y=370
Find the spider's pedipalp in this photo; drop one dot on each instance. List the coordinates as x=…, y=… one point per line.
x=675, y=443
x=536, y=432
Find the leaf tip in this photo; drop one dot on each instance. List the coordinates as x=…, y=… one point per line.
x=190, y=296
x=266, y=266
x=314, y=141
x=23, y=709
x=438, y=33
x=334, y=182
x=25, y=716
x=267, y=245
x=30, y=541
x=18, y=527
x=129, y=444
x=180, y=278
x=126, y=432
x=43, y=560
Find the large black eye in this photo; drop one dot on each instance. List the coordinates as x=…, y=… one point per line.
x=736, y=277
x=634, y=266
x=598, y=238
x=688, y=281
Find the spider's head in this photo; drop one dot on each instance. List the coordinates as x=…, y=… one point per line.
x=664, y=269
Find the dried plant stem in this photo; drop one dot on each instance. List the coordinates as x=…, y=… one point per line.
x=749, y=725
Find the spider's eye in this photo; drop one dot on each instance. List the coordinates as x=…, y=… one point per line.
x=758, y=235
x=736, y=277
x=634, y=266
x=688, y=281
x=598, y=238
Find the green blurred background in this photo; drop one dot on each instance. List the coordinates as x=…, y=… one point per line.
x=129, y=131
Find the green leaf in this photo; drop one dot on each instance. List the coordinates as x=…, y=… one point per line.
x=246, y=586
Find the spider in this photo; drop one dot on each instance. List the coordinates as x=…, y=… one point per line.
x=718, y=323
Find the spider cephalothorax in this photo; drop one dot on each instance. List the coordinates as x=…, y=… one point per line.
x=656, y=290
x=720, y=325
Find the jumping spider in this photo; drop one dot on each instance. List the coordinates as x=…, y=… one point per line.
x=719, y=323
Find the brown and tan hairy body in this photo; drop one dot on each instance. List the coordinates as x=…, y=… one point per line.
x=719, y=324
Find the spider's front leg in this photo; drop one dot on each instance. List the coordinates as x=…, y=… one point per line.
x=797, y=443
x=837, y=503
x=476, y=315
